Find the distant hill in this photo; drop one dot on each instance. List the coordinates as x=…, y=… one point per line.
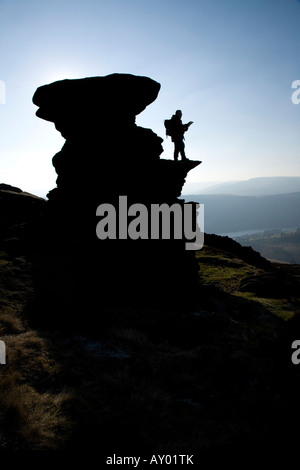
x=224, y=213
x=257, y=186
x=283, y=246
x=15, y=203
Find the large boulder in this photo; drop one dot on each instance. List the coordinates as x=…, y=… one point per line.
x=116, y=98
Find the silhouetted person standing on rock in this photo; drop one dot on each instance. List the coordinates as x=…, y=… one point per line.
x=176, y=130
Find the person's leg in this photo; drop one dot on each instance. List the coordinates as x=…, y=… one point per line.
x=176, y=150
x=181, y=150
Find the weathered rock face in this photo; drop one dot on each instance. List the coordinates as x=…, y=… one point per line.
x=106, y=155
x=112, y=101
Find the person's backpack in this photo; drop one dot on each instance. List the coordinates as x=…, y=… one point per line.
x=169, y=125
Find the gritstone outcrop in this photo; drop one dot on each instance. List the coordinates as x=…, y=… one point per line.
x=106, y=155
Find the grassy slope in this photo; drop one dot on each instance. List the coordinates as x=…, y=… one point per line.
x=227, y=271
x=213, y=379
x=278, y=246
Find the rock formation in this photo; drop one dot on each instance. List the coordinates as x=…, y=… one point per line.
x=18, y=211
x=106, y=155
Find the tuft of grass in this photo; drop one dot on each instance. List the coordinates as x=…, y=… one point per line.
x=10, y=323
x=279, y=307
x=30, y=420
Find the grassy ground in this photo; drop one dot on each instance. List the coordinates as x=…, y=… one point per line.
x=226, y=271
x=281, y=246
x=214, y=379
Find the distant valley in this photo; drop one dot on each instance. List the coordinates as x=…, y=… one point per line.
x=227, y=214
x=261, y=186
x=282, y=246
x=242, y=216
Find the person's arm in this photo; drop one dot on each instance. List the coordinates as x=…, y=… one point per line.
x=186, y=126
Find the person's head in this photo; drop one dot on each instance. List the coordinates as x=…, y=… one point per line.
x=178, y=113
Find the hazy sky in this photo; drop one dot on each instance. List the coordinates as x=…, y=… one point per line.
x=228, y=64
